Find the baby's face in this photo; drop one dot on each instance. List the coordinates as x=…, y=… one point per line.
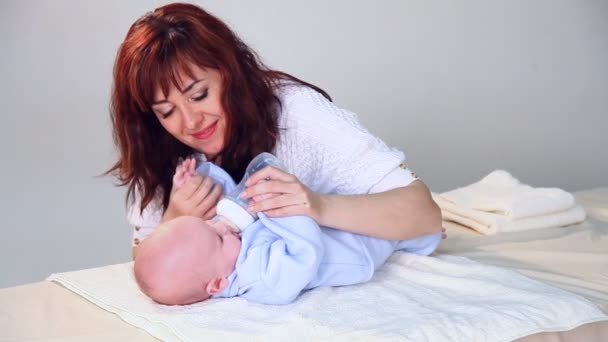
x=175, y=264
x=223, y=244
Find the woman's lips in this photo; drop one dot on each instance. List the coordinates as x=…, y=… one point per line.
x=206, y=133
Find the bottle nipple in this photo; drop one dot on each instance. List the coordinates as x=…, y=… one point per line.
x=229, y=223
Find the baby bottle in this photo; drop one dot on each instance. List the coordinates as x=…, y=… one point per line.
x=234, y=208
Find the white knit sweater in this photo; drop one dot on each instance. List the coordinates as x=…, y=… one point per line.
x=324, y=146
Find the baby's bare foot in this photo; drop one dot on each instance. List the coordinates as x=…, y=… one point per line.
x=183, y=172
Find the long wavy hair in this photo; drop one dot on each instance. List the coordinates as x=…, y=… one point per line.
x=158, y=47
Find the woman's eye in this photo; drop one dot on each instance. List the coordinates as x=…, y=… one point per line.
x=200, y=96
x=166, y=114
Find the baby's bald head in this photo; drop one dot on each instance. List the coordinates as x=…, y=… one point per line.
x=170, y=264
x=178, y=261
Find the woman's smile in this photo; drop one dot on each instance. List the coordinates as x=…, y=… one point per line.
x=206, y=133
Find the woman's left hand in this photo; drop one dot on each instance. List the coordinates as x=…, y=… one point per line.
x=278, y=193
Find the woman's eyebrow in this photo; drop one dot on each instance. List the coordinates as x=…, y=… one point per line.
x=159, y=102
x=182, y=91
x=191, y=85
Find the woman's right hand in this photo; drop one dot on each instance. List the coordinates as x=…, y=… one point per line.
x=197, y=197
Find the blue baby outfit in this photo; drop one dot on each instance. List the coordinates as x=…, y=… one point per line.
x=280, y=257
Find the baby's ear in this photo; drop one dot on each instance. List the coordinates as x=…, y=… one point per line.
x=216, y=285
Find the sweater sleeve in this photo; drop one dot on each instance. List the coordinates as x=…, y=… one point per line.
x=328, y=148
x=143, y=223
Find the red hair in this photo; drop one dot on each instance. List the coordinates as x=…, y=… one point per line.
x=158, y=47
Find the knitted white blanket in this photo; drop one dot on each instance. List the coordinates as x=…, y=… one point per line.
x=414, y=298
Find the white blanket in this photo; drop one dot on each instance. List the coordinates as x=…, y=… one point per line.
x=501, y=203
x=414, y=298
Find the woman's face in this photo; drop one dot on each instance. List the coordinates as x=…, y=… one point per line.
x=193, y=114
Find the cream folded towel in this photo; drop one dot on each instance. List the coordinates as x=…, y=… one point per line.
x=500, y=203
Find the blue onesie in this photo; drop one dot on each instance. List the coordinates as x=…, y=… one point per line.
x=281, y=257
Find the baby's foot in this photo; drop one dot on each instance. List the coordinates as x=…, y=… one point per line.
x=183, y=172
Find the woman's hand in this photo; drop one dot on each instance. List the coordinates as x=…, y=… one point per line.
x=198, y=197
x=278, y=193
x=192, y=194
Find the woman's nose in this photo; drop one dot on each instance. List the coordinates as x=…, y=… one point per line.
x=192, y=119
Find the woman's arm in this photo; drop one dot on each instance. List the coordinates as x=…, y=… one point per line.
x=398, y=214
x=336, y=154
x=402, y=213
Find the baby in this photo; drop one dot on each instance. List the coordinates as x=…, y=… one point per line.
x=188, y=259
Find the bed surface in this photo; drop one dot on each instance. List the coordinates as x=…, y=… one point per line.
x=574, y=258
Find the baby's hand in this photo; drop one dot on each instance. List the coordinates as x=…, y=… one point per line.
x=183, y=172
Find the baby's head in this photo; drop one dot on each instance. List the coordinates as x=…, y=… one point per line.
x=186, y=260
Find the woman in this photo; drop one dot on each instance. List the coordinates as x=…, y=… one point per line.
x=185, y=84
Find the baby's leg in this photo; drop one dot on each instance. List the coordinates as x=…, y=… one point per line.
x=183, y=172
